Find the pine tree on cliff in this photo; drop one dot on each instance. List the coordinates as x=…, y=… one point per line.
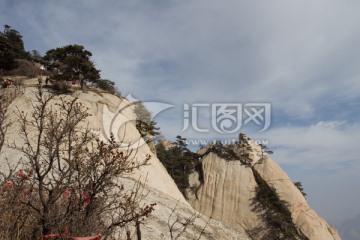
x=72, y=62
x=11, y=48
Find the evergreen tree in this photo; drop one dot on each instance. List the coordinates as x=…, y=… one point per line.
x=144, y=122
x=107, y=85
x=300, y=187
x=11, y=48
x=72, y=62
x=179, y=161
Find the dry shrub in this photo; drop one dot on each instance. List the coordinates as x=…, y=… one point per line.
x=67, y=181
x=26, y=68
x=61, y=86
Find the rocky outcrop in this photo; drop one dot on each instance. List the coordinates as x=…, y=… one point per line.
x=224, y=189
x=103, y=108
x=228, y=187
x=226, y=192
x=160, y=186
x=158, y=223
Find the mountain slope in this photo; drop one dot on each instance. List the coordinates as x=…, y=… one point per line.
x=228, y=193
x=161, y=188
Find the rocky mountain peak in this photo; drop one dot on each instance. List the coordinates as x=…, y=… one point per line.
x=242, y=185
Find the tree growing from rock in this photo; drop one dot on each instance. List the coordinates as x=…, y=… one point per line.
x=300, y=187
x=179, y=161
x=72, y=62
x=144, y=122
x=274, y=212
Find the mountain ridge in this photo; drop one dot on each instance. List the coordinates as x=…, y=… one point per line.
x=158, y=186
x=232, y=215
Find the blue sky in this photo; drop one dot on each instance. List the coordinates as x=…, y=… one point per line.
x=303, y=57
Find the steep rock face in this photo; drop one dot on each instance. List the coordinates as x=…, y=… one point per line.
x=158, y=223
x=162, y=189
x=102, y=109
x=306, y=219
x=228, y=190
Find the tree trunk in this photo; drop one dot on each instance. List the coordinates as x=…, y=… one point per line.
x=44, y=222
x=83, y=85
x=128, y=237
x=138, y=231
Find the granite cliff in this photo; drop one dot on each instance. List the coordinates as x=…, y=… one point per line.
x=222, y=195
x=229, y=185
x=160, y=187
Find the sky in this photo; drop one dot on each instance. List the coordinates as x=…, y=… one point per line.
x=301, y=58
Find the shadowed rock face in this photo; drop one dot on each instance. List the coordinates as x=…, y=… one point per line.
x=306, y=220
x=228, y=191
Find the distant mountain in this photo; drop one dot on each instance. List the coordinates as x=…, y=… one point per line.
x=350, y=229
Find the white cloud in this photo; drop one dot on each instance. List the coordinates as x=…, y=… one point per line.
x=319, y=145
x=289, y=53
x=329, y=124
